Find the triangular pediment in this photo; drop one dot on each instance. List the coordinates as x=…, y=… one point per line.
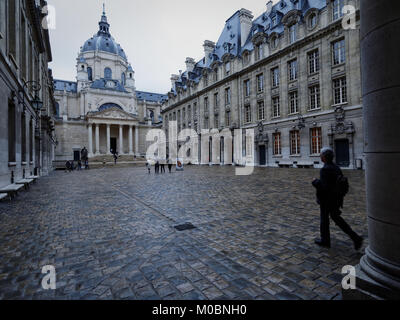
x=112, y=113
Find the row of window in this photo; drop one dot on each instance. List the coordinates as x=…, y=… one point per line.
x=314, y=100
x=295, y=142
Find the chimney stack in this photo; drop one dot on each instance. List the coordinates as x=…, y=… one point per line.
x=269, y=6
x=174, y=79
x=209, y=47
x=246, y=21
x=190, y=63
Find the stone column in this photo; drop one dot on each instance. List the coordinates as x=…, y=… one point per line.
x=379, y=271
x=121, y=139
x=97, y=139
x=130, y=140
x=137, y=141
x=90, y=140
x=108, y=139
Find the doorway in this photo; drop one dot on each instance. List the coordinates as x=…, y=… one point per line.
x=342, y=152
x=263, y=160
x=77, y=155
x=113, y=144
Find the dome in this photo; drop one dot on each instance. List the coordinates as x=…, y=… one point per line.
x=103, y=41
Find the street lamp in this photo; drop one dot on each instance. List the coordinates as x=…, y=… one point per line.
x=36, y=103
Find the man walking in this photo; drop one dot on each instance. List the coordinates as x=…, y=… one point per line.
x=169, y=165
x=85, y=157
x=331, y=202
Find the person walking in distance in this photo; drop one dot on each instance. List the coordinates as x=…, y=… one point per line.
x=331, y=189
x=85, y=157
x=162, y=166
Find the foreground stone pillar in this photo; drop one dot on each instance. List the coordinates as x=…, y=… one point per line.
x=121, y=139
x=108, y=140
x=378, y=274
x=90, y=139
x=97, y=139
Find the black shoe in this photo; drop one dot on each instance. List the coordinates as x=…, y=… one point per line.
x=358, y=243
x=322, y=244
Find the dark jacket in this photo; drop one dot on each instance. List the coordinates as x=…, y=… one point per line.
x=326, y=186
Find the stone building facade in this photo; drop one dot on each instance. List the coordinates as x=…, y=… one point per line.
x=27, y=105
x=292, y=75
x=102, y=110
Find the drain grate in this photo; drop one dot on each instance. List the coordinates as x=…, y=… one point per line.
x=184, y=227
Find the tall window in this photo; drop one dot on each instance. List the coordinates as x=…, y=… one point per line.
x=107, y=73
x=277, y=144
x=23, y=138
x=293, y=33
x=295, y=142
x=247, y=88
x=313, y=61
x=292, y=68
x=11, y=132
x=337, y=9
x=184, y=115
x=195, y=110
x=247, y=114
x=315, y=97
x=276, y=108
x=123, y=78
x=23, y=46
x=90, y=74
x=275, y=77
x=339, y=52
x=340, y=90
x=261, y=110
x=12, y=33
x=260, y=82
x=293, y=102
x=316, y=140
x=227, y=119
x=227, y=96
x=259, y=51
x=31, y=140
x=215, y=74
x=216, y=122
x=206, y=105
x=190, y=113
x=216, y=101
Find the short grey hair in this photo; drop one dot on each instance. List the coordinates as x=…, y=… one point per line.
x=328, y=153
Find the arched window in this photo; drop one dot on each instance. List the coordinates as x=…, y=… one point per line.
x=107, y=73
x=123, y=78
x=90, y=74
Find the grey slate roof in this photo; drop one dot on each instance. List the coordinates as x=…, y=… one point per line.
x=230, y=38
x=152, y=97
x=69, y=86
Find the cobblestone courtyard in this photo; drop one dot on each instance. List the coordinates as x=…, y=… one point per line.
x=109, y=233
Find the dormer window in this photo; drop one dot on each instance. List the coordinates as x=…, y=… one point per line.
x=337, y=6
x=107, y=73
x=259, y=51
x=275, y=42
x=293, y=33
x=274, y=21
x=312, y=20
x=228, y=67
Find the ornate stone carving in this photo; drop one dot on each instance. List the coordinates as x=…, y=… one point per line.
x=341, y=126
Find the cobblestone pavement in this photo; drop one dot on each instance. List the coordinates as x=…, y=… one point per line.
x=109, y=233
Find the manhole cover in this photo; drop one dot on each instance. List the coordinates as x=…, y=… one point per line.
x=184, y=227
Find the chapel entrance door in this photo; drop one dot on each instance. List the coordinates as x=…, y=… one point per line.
x=263, y=160
x=113, y=144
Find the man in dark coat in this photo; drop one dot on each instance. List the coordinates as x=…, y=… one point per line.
x=330, y=202
x=85, y=157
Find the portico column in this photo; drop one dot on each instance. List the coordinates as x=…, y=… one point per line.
x=130, y=140
x=97, y=139
x=137, y=141
x=108, y=140
x=121, y=139
x=379, y=270
x=90, y=139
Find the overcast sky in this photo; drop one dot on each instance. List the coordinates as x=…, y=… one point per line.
x=156, y=35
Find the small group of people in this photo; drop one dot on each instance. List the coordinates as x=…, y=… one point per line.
x=159, y=166
x=70, y=165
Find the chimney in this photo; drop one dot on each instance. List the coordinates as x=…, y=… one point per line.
x=246, y=20
x=269, y=6
x=209, y=47
x=174, y=79
x=190, y=64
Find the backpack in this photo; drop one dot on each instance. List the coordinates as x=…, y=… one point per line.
x=342, y=186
